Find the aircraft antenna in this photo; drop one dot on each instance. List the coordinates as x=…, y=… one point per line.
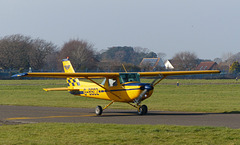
x=124, y=68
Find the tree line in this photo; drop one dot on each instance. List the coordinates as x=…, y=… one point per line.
x=19, y=52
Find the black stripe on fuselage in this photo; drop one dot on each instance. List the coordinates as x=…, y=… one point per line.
x=129, y=84
x=102, y=91
x=123, y=90
x=136, y=84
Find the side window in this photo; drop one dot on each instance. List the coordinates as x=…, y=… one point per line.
x=103, y=82
x=112, y=82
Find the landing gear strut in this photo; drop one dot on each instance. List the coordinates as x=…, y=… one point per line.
x=99, y=109
x=141, y=109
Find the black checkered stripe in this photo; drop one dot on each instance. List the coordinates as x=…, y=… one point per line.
x=73, y=82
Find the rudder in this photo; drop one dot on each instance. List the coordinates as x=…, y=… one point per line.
x=67, y=66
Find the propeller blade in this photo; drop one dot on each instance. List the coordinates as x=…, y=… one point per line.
x=145, y=88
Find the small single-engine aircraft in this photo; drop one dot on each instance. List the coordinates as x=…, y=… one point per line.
x=116, y=87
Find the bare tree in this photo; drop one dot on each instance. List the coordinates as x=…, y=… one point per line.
x=14, y=51
x=18, y=51
x=218, y=60
x=233, y=58
x=39, y=53
x=185, y=61
x=51, y=61
x=80, y=52
x=226, y=56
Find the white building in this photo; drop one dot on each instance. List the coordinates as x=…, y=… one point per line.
x=168, y=65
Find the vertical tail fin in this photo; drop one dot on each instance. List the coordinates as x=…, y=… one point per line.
x=67, y=66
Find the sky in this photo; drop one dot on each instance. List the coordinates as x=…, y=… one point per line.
x=208, y=28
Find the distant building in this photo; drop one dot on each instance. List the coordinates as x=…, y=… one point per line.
x=152, y=63
x=209, y=65
x=168, y=65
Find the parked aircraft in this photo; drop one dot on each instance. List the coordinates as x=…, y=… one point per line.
x=116, y=87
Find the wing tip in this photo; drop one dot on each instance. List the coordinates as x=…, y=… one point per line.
x=45, y=89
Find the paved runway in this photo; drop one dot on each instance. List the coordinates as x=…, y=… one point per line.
x=29, y=114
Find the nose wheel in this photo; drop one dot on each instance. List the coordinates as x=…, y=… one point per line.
x=142, y=110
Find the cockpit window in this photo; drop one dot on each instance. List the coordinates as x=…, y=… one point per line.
x=129, y=77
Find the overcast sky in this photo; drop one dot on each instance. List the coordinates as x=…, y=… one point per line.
x=209, y=28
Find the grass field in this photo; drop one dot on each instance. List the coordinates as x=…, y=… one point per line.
x=191, y=95
x=59, y=133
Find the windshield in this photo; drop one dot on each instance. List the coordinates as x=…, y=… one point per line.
x=129, y=77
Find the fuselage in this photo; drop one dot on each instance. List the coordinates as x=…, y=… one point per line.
x=126, y=92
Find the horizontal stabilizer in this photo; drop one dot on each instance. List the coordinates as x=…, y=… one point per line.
x=59, y=89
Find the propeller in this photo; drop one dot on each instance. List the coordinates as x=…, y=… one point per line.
x=145, y=88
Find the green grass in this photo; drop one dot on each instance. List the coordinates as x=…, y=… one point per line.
x=191, y=95
x=211, y=96
x=59, y=133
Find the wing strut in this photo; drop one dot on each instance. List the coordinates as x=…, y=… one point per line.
x=104, y=88
x=159, y=80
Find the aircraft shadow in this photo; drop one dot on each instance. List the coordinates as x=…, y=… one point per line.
x=232, y=112
x=134, y=113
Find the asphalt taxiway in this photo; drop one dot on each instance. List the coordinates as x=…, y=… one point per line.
x=30, y=114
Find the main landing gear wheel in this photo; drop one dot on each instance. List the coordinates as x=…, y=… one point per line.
x=142, y=110
x=98, y=110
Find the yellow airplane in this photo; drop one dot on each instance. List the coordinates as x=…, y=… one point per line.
x=116, y=87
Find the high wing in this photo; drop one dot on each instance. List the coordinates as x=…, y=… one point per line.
x=164, y=74
x=171, y=73
x=67, y=75
x=99, y=75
